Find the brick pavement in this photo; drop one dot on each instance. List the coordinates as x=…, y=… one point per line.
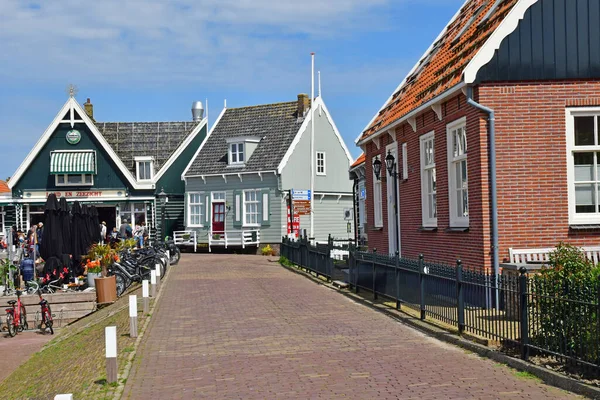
x=14, y=351
x=240, y=327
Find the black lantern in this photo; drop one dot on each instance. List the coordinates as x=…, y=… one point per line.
x=390, y=163
x=377, y=168
x=162, y=196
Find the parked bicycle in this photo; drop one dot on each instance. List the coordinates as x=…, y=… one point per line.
x=16, y=316
x=46, y=315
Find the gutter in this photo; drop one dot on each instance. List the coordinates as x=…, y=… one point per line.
x=493, y=185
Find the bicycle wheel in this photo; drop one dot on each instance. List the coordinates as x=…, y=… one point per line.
x=24, y=324
x=10, y=324
x=122, y=283
x=175, y=256
x=47, y=318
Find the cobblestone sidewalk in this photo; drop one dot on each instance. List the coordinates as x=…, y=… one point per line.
x=240, y=327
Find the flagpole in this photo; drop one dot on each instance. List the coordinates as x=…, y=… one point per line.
x=312, y=146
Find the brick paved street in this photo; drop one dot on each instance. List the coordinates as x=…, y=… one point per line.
x=240, y=327
x=14, y=351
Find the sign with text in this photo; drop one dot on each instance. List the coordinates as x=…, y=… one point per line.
x=75, y=194
x=296, y=223
x=300, y=194
x=302, y=207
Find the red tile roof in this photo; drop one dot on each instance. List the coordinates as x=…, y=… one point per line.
x=359, y=160
x=4, y=187
x=442, y=67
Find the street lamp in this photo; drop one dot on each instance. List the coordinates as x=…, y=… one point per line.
x=390, y=163
x=162, y=196
x=377, y=168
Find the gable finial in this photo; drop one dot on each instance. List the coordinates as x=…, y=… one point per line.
x=72, y=90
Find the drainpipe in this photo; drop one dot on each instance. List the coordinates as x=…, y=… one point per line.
x=493, y=187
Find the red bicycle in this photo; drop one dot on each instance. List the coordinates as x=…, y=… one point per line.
x=16, y=316
x=46, y=323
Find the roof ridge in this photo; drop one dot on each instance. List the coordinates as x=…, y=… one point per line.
x=264, y=105
x=144, y=122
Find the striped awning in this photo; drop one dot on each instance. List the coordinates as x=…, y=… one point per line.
x=73, y=162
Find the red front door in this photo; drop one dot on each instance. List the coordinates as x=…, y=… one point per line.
x=218, y=217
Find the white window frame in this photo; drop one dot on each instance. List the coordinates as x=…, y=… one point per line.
x=142, y=160
x=221, y=199
x=571, y=113
x=202, y=205
x=378, y=196
x=237, y=153
x=257, y=193
x=323, y=166
x=66, y=178
x=428, y=222
x=456, y=220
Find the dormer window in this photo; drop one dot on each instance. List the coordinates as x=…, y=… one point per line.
x=236, y=153
x=145, y=168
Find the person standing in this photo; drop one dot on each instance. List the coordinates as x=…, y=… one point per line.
x=123, y=229
x=39, y=234
x=144, y=233
x=102, y=232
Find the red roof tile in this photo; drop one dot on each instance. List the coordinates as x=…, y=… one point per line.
x=4, y=187
x=443, y=66
x=359, y=160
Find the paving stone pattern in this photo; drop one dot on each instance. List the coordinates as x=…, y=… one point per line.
x=14, y=351
x=241, y=327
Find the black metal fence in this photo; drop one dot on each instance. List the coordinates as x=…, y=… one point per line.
x=518, y=312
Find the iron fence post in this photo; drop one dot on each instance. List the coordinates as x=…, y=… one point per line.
x=397, y=280
x=460, y=296
x=374, y=275
x=356, y=271
x=422, y=284
x=524, y=315
x=329, y=264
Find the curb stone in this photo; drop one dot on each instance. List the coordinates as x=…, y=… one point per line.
x=547, y=376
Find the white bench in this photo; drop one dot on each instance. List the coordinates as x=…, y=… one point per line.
x=185, y=238
x=592, y=253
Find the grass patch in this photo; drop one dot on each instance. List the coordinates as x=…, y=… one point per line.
x=285, y=262
x=525, y=375
x=74, y=361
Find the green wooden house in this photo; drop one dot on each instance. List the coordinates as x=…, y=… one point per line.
x=119, y=167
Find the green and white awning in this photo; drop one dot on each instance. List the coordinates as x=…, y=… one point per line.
x=73, y=162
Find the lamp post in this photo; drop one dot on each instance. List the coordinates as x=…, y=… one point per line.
x=390, y=164
x=162, y=196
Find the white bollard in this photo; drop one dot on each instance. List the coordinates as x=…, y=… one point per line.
x=158, y=272
x=110, y=337
x=145, y=295
x=153, y=282
x=68, y=396
x=133, y=316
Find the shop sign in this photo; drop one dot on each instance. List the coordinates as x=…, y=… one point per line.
x=300, y=194
x=296, y=223
x=76, y=194
x=73, y=136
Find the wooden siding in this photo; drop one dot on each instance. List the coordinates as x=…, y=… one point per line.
x=557, y=39
x=329, y=218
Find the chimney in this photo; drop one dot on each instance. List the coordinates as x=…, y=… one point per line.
x=89, y=108
x=303, y=104
x=197, y=111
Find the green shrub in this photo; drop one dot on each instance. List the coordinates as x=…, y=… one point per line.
x=564, y=306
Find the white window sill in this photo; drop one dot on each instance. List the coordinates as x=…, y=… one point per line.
x=250, y=226
x=195, y=226
x=73, y=184
x=318, y=174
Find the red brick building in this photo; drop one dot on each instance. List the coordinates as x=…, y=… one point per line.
x=509, y=93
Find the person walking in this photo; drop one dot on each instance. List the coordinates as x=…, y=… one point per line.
x=144, y=233
x=102, y=232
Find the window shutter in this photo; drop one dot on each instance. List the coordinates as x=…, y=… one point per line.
x=266, y=208
x=207, y=220
x=237, y=211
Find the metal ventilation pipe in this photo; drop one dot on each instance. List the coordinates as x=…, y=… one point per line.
x=197, y=111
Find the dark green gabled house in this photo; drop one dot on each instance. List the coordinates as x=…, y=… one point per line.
x=119, y=167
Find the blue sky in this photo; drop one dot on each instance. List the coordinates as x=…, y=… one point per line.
x=148, y=60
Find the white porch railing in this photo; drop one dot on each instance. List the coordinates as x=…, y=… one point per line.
x=240, y=238
x=542, y=254
x=185, y=238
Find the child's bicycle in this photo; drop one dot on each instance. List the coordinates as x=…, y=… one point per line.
x=46, y=312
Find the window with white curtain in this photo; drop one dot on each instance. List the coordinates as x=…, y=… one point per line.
x=458, y=186
x=428, y=180
x=251, y=207
x=195, y=209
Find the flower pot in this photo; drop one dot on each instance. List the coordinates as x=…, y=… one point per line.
x=91, y=276
x=106, y=289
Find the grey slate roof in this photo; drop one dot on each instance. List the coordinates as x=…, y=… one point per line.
x=156, y=139
x=277, y=125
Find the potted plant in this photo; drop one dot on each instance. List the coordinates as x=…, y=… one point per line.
x=268, y=251
x=103, y=255
x=93, y=270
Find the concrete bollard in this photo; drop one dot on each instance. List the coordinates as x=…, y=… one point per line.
x=145, y=296
x=68, y=396
x=157, y=267
x=110, y=337
x=133, y=330
x=153, y=282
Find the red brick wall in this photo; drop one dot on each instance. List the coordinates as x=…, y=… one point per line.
x=441, y=246
x=531, y=156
